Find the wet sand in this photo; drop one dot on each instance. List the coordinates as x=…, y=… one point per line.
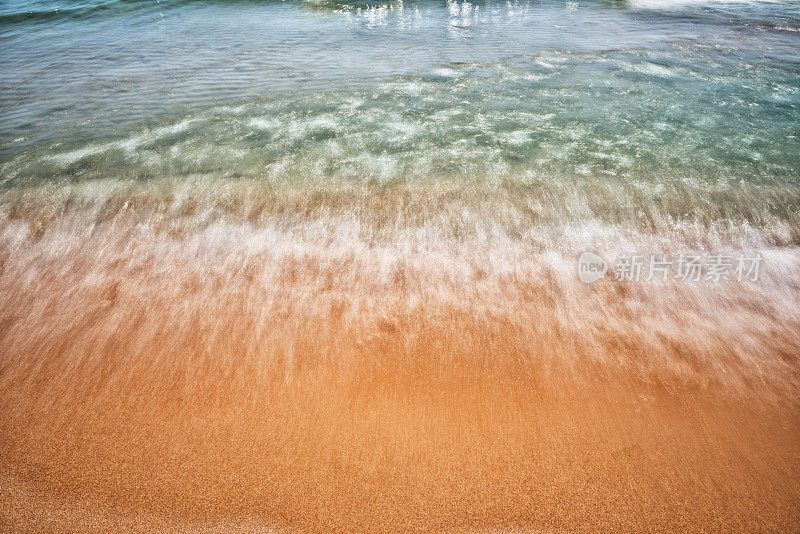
x=282, y=369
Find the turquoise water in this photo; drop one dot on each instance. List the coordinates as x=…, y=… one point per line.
x=399, y=91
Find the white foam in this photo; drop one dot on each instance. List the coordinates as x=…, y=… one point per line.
x=666, y=4
x=263, y=123
x=128, y=144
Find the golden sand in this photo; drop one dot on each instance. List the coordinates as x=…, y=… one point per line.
x=383, y=360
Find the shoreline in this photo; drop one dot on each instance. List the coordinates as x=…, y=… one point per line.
x=420, y=366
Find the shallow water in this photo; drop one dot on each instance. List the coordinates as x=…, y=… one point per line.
x=389, y=91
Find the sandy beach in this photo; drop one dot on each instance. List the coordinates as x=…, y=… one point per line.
x=277, y=375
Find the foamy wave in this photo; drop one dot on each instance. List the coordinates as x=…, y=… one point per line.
x=426, y=127
x=666, y=4
x=129, y=144
x=490, y=252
